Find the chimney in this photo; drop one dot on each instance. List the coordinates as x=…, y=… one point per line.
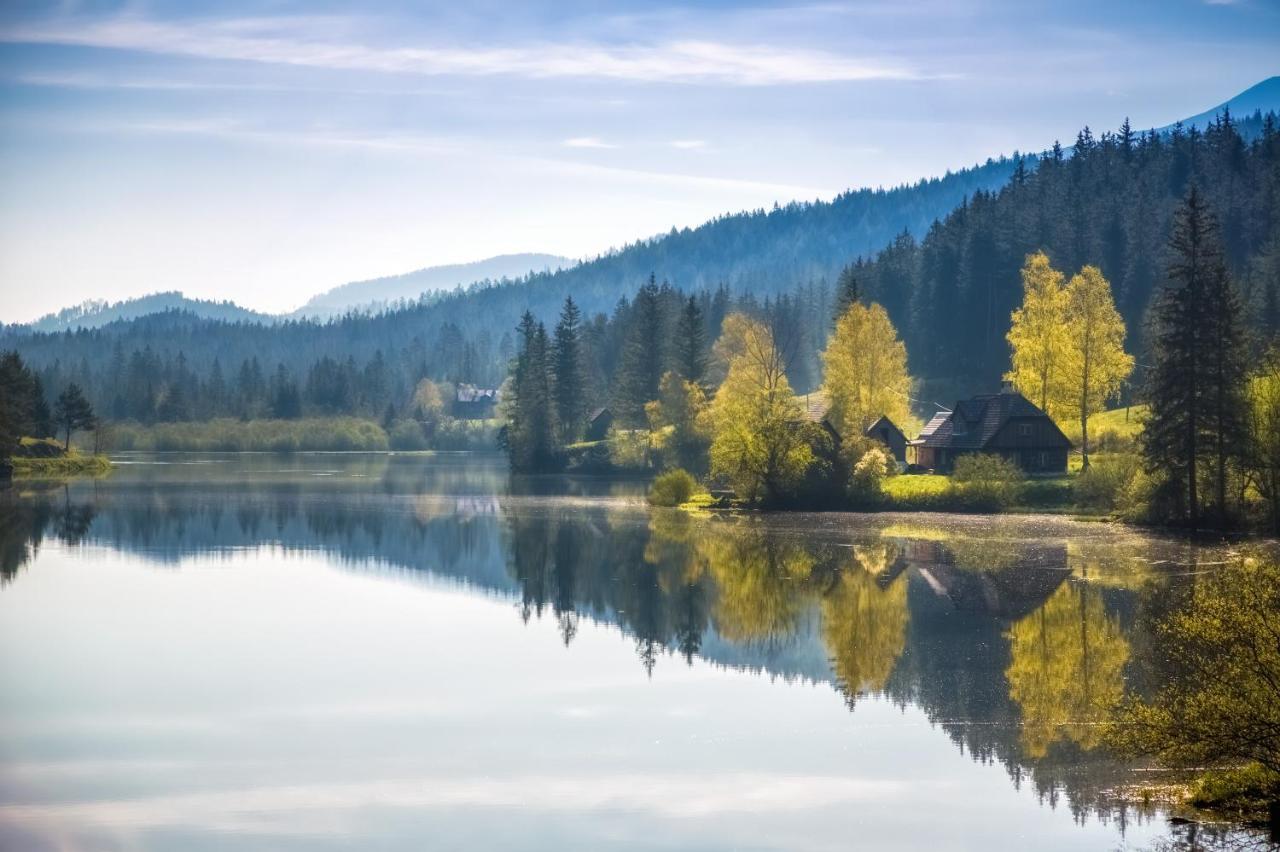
x=1007, y=387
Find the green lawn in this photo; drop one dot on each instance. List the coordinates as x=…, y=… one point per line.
x=1122, y=423
x=911, y=486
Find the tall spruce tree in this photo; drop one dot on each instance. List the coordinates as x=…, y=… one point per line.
x=570, y=378
x=531, y=429
x=73, y=412
x=1196, y=385
x=847, y=291
x=643, y=356
x=690, y=354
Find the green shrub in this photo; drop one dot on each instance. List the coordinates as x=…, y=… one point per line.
x=629, y=449
x=1137, y=501
x=1244, y=789
x=982, y=481
x=1101, y=486
x=672, y=488
x=452, y=434
x=407, y=435
x=866, y=483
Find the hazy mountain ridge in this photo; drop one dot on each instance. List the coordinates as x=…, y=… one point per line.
x=380, y=293
x=1263, y=97
x=762, y=251
x=96, y=313
x=949, y=292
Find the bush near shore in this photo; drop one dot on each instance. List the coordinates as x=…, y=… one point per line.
x=308, y=434
x=38, y=458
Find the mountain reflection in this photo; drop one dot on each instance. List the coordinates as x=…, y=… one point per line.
x=1015, y=646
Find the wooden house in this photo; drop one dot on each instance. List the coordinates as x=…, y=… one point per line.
x=1005, y=424
x=887, y=432
x=598, y=423
x=473, y=403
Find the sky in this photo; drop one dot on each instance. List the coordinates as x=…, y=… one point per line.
x=264, y=152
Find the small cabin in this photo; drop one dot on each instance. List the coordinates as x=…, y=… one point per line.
x=1006, y=424
x=887, y=432
x=473, y=403
x=598, y=423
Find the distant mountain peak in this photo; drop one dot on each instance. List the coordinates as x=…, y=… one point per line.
x=95, y=313
x=377, y=292
x=1261, y=97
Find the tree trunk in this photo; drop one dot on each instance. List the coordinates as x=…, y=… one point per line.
x=66, y=446
x=1084, y=416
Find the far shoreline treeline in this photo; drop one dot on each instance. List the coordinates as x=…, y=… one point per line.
x=726, y=417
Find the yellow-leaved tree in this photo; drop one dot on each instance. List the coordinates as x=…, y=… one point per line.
x=1096, y=364
x=864, y=628
x=1038, y=335
x=1066, y=669
x=755, y=443
x=865, y=371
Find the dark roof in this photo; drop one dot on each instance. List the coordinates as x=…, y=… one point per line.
x=932, y=426
x=883, y=422
x=975, y=421
x=597, y=413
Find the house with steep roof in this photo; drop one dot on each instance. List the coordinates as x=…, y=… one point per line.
x=816, y=407
x=1005, y=424
x=887, y=432
x=474, y=403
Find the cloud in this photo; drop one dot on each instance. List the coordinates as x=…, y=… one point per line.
x=688, y=144
x=285, y=808
x=587, y=142
x=323, y=43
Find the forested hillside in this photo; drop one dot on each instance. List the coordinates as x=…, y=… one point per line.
x=949, y=293
x=1111, y=205
x=94, y=314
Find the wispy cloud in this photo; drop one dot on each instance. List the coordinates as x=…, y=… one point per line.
x=587, y=142
x=322, y=43
x=688, y=144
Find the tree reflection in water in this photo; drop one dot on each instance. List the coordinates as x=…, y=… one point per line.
x=1067, y=669
x=1015, y=645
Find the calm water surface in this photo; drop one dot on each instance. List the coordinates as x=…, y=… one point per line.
x=400, y=652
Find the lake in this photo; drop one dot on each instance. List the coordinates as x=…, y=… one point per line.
x=420, y=652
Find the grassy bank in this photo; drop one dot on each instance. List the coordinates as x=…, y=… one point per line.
x=44, y=458
x=308, y=434
x=228, y=435
x=74, y=464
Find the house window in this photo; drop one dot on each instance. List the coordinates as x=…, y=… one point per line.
x=1024, y=430
x=1044, y=460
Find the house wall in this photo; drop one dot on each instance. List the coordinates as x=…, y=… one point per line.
x=894, y=440
x=1026, y=433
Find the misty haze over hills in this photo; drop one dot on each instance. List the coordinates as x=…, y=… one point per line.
x=378, y=293
x=760, y=251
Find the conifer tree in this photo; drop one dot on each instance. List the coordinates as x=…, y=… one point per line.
x=690, y=343
x=847, y=291
x=531, y=428
x=1196, y=387
x=73, y=412
x=643, y=356
x=570, y=380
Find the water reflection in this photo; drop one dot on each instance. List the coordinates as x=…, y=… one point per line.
x=1015, y=638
